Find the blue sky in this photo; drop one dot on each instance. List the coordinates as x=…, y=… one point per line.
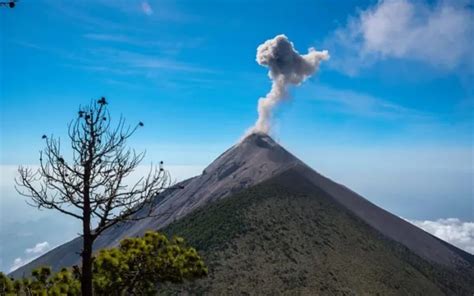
x=390, y=115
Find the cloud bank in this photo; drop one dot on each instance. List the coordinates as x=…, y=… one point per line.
x=452, y=230
x=31, y=254
x=439, y=34
x=286, y=67
x=39, y=248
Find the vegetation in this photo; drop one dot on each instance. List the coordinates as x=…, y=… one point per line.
x=139, y=264
x=91, y=185
x=287, y=237
x=136, y=267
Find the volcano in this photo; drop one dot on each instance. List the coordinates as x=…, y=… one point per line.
x=266, y=223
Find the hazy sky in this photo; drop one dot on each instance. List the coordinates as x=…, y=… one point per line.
x=390, y=115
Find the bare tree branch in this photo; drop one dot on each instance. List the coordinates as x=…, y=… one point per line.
x=90, y=185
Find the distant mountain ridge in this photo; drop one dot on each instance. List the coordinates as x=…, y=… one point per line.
x=255, y=159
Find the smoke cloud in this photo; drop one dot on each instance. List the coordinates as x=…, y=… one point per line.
x=286, y=67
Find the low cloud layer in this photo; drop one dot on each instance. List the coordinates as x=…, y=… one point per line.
x=439, y=34
x=286, y=67
x=39, y=248
x=452, y=230
x=30, y=254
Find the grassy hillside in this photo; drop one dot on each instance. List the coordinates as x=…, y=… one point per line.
x=287, y=237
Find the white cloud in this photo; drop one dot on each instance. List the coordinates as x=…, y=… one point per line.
x=39, y=248
x=146, y=8
x=452, y=230
x=438, y=34
x=17, y=263
x=30, y=254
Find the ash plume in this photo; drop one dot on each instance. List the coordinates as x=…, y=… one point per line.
x=286, y=67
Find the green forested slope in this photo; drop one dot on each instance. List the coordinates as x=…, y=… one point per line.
x=285, y=236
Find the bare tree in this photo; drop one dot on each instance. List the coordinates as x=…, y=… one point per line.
x=91, y=186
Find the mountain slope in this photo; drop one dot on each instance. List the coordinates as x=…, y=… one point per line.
x=286, y=236
x=392, y=226
x=256, y=159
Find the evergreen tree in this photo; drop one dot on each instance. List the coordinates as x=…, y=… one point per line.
x=137, y=267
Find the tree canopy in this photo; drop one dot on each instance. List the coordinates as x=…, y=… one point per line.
x=136, y=267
